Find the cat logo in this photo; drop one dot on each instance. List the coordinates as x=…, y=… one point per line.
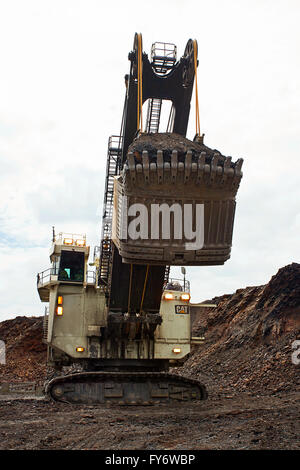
x=181, y=309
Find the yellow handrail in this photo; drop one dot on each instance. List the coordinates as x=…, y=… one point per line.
x=140, y=85
x=196, y=88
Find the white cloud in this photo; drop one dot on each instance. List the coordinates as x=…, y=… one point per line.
x=62, y=90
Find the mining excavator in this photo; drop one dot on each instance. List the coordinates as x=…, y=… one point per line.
x=113, y=331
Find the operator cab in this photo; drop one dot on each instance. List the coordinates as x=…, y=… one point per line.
x=69, y=255
x=71, y=266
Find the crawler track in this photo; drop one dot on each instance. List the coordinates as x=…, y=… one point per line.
x=125, y=388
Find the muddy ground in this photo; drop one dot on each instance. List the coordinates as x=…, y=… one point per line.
x=241, y=422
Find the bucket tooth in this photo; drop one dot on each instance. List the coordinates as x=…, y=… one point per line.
x=227, y=164
x=145, y=159
x=219, y=170
x=174, y=164
x=237, y=172
x=231, y=172
x=167, y=166
x=131, y=166
x=152, y=167
x=201, y=164
x=180, y=167
x=213, y=167
x=207, y=168
x=188, y=164
x=238, y=166
x=160, y=166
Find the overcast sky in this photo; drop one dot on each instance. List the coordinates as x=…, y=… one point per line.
x=61, y=96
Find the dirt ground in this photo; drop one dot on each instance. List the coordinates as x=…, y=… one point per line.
x=242, y=422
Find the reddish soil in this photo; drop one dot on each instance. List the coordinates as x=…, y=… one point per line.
x=25, y=352
x=248, y=339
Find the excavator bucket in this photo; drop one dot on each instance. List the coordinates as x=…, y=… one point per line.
x=175, y=205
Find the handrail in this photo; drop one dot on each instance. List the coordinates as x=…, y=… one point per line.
x=90, y=277
x=73, y=236
x=165, y=49
x=185, y=285
x=45, y=276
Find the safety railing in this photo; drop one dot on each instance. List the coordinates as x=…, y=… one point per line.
x=163, y=56
x=70, y=239
x=45, y=276
x=177, y=284
x=91, y=277
x=97, y=252
x=115, y=143
x=163, y=49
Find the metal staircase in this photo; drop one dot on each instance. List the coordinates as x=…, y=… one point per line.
x=112, y=170
x=167, y=274
x=153, y=115
x=45, y=324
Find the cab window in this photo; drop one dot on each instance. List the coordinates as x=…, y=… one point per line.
x=71, y=266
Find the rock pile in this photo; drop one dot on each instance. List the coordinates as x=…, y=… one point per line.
x=249, y=337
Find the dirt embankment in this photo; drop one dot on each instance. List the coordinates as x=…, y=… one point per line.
x=25, y=352
x=249, y=338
